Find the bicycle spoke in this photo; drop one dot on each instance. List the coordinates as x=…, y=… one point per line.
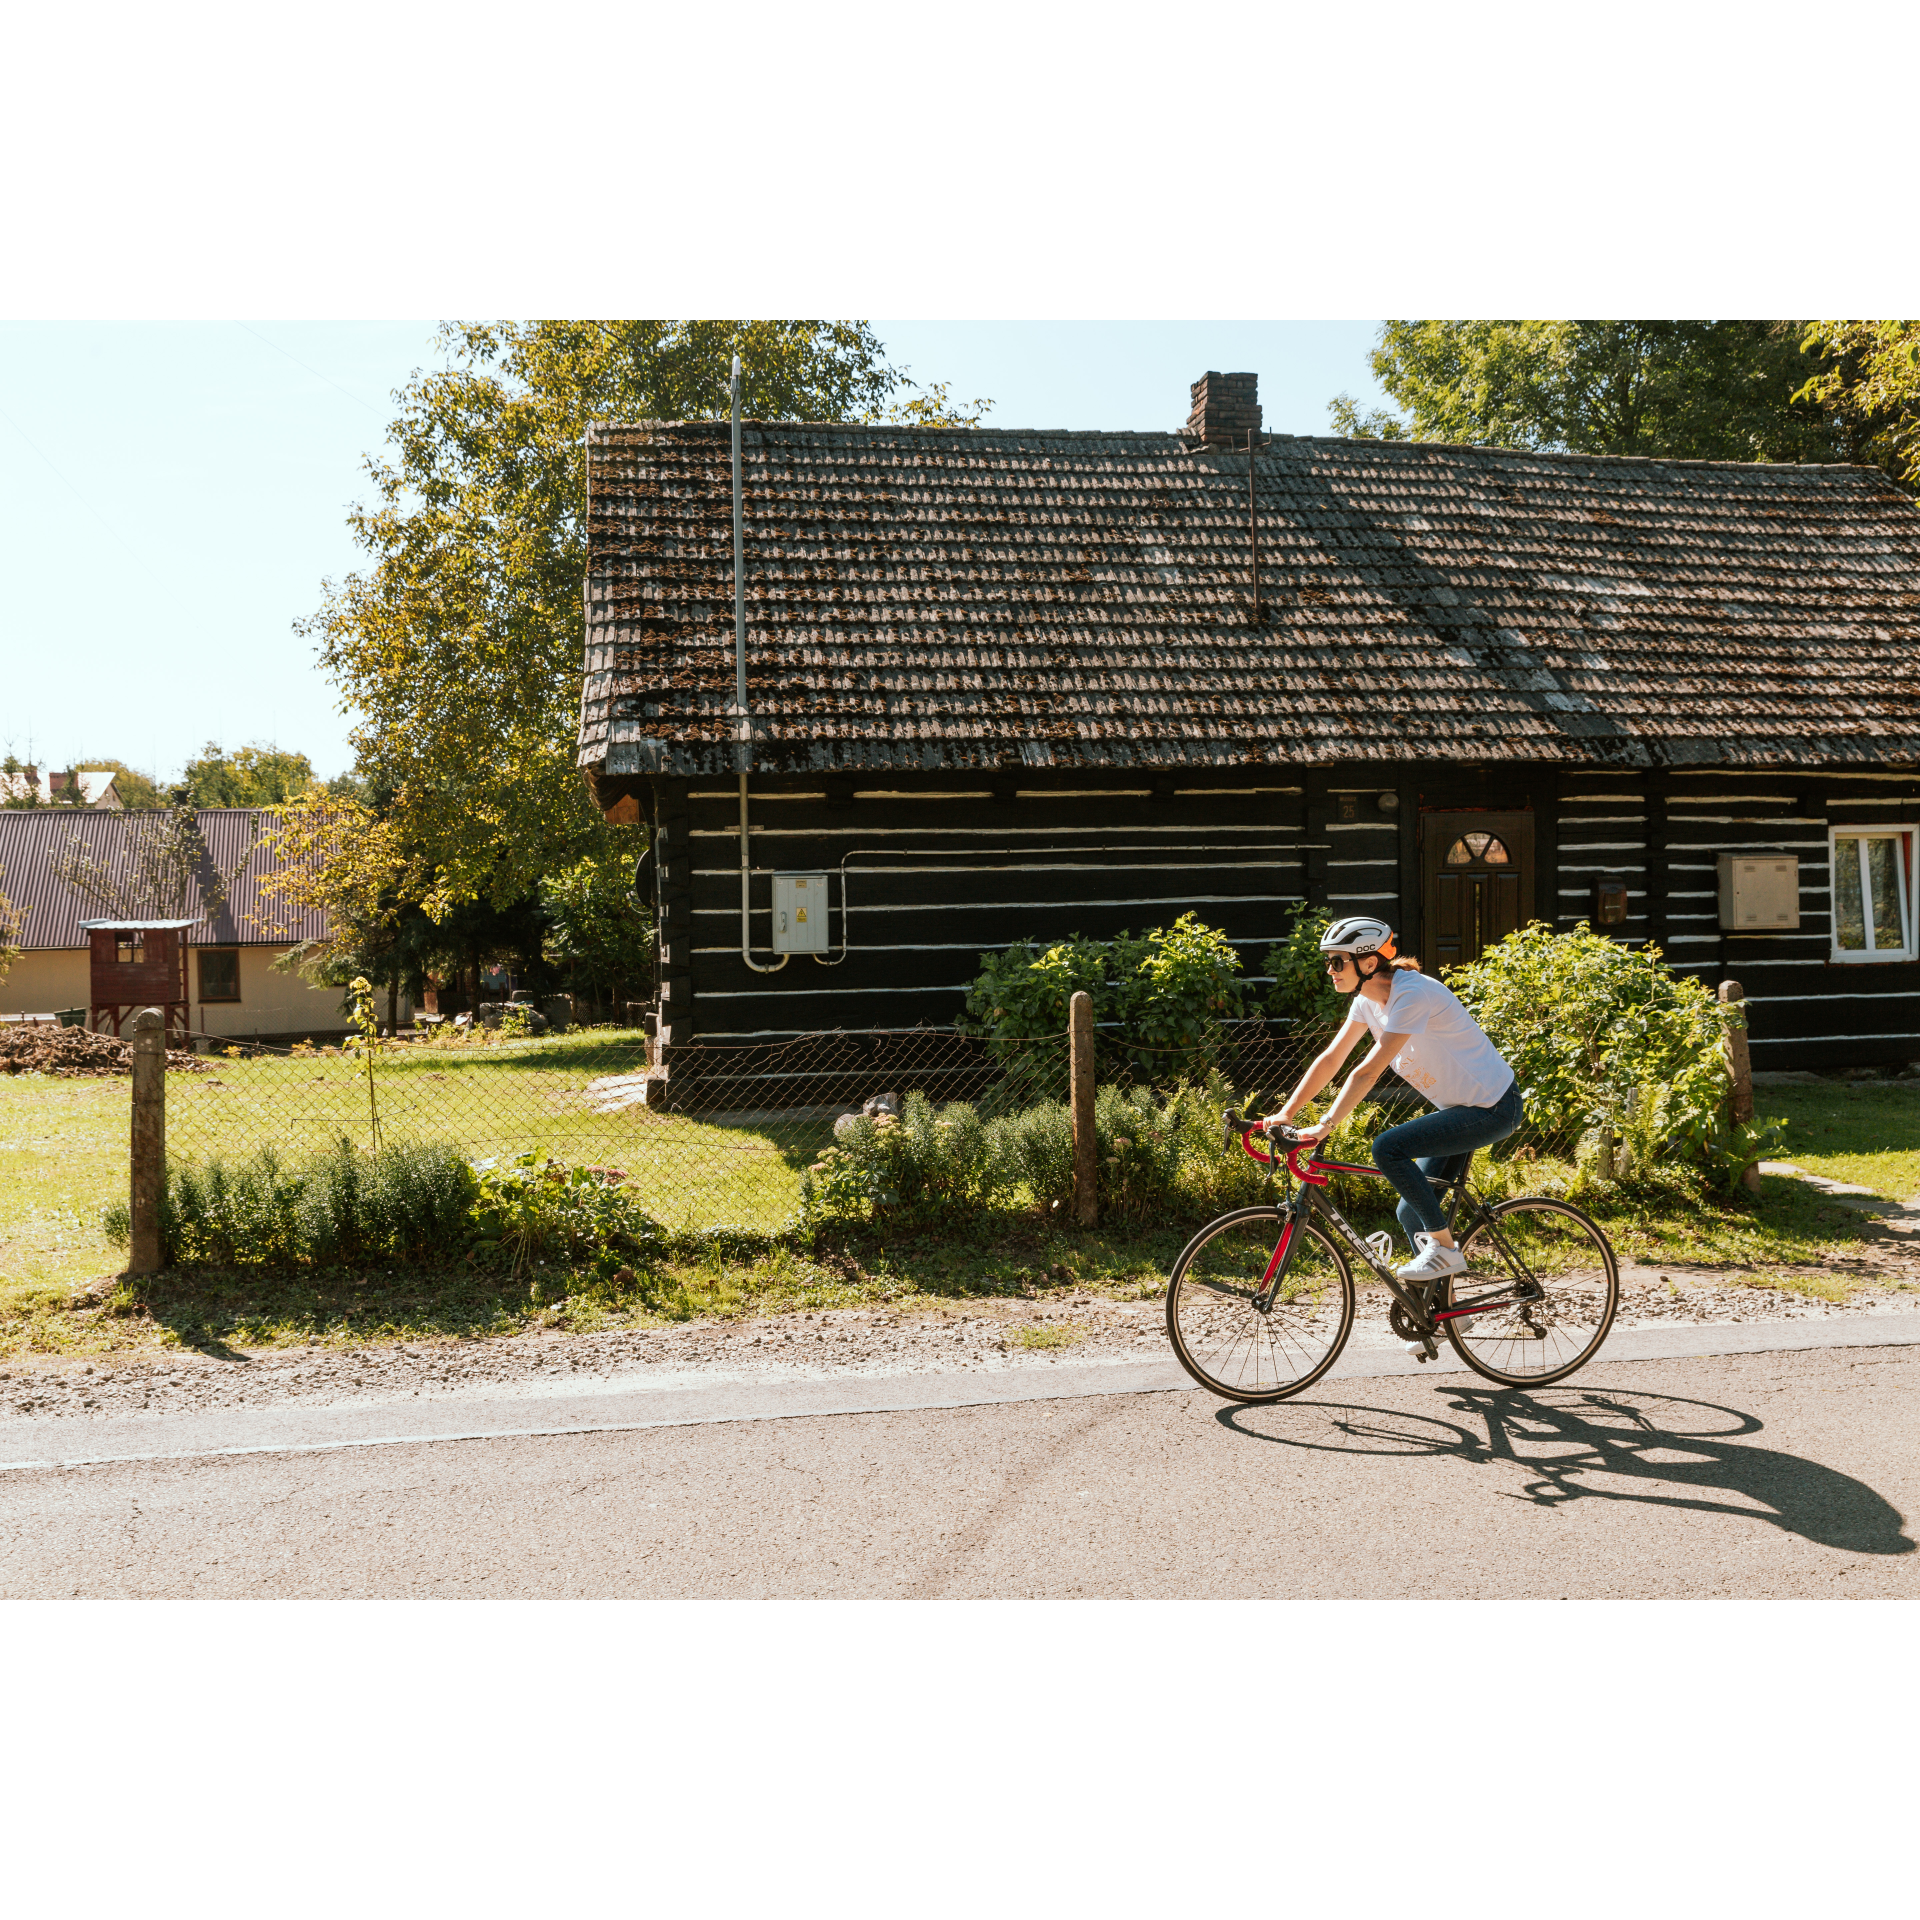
x=1225, y=1341
x=1563, y=1261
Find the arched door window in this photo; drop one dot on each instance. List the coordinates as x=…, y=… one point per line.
x=1484, y=849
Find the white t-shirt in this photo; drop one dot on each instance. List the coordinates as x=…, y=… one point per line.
x=1447, y=1058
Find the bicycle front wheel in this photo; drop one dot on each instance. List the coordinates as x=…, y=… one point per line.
x=1227, y=1342
x=1564, y=1266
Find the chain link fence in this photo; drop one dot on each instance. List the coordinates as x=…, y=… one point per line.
x=729, y=1136
x=721, y=1136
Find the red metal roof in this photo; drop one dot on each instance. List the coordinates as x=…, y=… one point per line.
x=32, y=838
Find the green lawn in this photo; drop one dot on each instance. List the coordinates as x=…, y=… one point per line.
x=1865, y=1132
x=63, y=1150
x=501, y=1101
x=63, y=1143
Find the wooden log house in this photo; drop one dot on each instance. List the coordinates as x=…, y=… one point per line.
x=1008, y=685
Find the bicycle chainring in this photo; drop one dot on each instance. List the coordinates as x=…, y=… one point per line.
x=1402, y=1324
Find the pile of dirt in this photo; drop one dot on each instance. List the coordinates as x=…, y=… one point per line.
x=69, y=1052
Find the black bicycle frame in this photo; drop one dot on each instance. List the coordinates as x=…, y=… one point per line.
x=1310, y=1201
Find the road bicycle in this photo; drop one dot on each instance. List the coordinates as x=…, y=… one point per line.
x=1261, y=1300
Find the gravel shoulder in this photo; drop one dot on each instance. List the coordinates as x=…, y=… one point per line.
x=975, y=1336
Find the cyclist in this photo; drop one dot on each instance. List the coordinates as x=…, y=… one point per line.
x=1435, y=1045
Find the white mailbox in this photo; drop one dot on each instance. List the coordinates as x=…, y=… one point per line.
x=799, y=913
x=1759, y=892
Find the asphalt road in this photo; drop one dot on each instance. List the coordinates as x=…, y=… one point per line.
x=1774, y=1475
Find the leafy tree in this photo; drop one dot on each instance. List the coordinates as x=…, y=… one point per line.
x=350, y=859
x=253, y=776
x=597, y=934
x=1675, y=389
x=12, y=932
x=463, y=643
x=136, y=791
x=1868, y=383
x=139, y=792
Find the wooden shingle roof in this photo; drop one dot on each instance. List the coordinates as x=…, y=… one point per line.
x=926, y=598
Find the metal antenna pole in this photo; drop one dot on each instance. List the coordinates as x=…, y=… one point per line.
x=743, y=729
x=1253, y=528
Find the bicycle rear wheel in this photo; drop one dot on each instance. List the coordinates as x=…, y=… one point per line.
x=1566, y=1263
x=1227, y=1343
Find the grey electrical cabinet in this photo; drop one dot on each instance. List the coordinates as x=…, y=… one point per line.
x=1759, y=892
x=800, y=913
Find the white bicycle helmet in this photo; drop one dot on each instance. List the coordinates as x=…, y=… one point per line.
x=1358, y=934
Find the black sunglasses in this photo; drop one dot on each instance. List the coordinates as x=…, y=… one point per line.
x=1339, y=962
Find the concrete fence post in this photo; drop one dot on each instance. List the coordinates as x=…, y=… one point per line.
x=1740, y=1065
x=147, y=1161
x=1086, y=1172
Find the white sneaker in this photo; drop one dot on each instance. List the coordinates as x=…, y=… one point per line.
x=1431, y=1261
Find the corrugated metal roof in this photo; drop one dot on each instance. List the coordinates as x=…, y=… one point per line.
x=32, y=838
x=938, y=598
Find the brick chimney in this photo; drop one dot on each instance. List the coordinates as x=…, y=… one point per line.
x=1226, y=408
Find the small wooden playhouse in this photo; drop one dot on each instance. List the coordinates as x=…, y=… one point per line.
x=135, y=964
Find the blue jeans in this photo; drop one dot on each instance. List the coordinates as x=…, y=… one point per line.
x=1439, y=1144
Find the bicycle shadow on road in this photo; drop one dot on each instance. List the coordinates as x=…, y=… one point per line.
x=1580, y=1443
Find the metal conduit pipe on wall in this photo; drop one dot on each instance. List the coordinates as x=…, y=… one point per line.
x=743, y=718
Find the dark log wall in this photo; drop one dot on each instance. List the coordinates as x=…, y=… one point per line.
x=1662, y=833
x=943, y=869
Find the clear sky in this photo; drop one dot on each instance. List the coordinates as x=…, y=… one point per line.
x=172, y=494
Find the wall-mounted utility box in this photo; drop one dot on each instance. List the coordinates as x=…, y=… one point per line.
x=1609, y=903
x=1759, y=892
x=799, y=913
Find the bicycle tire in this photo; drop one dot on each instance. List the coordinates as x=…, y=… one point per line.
x=1221, y=1340
x=1573, y=1261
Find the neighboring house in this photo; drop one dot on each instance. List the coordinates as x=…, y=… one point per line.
x=1008, y=684
x=233, y=988
x=88, y=787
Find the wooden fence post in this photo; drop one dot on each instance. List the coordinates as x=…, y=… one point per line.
x=1740, y=1064
x=147, y=1161
x=1086, y=1203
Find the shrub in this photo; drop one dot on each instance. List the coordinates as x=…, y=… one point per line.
x=1605, y=1037
x=1301, y=992
x=920, y=1167
x=1160, y=1158
x=1162, y=996
x=414, y=1202
x=534, y=1208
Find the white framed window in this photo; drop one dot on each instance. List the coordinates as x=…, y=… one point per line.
x=1873, y=893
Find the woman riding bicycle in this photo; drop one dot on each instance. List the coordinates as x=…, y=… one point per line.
x=1435, y=1045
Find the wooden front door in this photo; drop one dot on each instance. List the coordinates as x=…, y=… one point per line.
x=1478, y=874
